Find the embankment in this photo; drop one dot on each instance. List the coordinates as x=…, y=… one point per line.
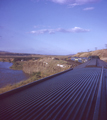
x=40, y=68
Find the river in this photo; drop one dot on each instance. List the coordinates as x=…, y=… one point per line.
x=9, y=76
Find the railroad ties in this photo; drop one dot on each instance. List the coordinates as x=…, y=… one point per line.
x=79, y=94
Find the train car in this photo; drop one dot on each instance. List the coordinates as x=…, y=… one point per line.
x=93, y=57
x=75, y=94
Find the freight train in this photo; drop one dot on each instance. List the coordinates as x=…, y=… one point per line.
x=75, y=94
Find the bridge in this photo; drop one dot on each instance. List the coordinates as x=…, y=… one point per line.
x=75, y=94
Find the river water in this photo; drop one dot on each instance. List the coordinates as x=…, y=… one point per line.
x=9, y=76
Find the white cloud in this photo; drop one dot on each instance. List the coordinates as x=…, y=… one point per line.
x=59, y=1
x=74, y=2
x=73, y=5
x=88, y=8
x=52, y=31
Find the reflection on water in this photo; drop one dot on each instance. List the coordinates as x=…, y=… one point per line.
x=9, y=76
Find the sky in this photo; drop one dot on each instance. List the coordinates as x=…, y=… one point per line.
x=53, y=27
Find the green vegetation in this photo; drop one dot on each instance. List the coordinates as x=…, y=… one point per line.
x=17, y=65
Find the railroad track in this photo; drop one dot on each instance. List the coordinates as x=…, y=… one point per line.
x=79, y=94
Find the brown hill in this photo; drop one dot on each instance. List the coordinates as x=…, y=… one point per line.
x=101, y=53
x=48, y=65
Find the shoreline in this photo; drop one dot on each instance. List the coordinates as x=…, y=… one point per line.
x=38, y=69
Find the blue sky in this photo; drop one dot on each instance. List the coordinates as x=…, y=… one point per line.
x=56, y=27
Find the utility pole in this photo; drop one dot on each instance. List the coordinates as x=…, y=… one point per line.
x=95, y=48
x=106, y=46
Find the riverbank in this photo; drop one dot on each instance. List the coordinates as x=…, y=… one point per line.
x=10, y=76
x=38, y=69
x=17, y=65
x=21, y=83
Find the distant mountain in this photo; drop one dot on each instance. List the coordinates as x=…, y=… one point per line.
x=3, y=53
x=71, y=54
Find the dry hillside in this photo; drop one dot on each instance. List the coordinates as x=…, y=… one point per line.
x=48, y=66
x=101, y=53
